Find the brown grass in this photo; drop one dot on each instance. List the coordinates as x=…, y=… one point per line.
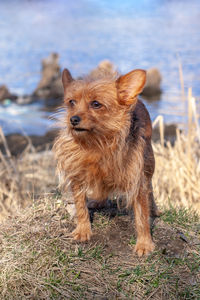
x=39, y=260
x=24, y=179
x=177, y=177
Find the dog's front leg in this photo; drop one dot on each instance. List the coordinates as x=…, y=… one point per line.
x=144, y=244
x=83, y=230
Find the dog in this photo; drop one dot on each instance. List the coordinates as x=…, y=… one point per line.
x=104, y=149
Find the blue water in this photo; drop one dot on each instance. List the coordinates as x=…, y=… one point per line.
x=132, y=34
x=25, y=119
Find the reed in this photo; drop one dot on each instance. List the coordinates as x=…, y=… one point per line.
x=24, y=179
x=176, y=180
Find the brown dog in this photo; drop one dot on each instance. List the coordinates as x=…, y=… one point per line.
x=105, y=150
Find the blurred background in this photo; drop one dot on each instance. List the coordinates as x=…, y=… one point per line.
x=129, y=34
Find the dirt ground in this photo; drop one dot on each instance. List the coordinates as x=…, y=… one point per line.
x=39, y=259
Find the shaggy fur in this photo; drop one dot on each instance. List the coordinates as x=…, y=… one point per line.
x=107, y=151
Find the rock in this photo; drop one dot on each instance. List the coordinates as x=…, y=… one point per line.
x=169, y=133
x=17, y=143
x=152, y=85
x=50, y=85
x=103, y=68
x=107, y=65
x=5, y=94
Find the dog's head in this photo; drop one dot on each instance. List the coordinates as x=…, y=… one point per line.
x=99, y=108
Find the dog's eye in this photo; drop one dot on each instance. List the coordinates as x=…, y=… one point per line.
x=95, y=104
x=72, y=102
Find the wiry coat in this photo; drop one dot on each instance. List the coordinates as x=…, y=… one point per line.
x=109, y=153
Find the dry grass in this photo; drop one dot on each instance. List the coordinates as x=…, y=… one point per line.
x=24, y=179
x=177, y=177
x=39, y=260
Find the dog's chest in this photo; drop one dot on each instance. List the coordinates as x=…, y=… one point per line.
x=107, y=174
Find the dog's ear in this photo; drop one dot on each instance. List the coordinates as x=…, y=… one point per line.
x=66, y=78
x=130, y=85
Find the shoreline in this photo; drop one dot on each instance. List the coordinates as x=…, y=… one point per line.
x=17, y=143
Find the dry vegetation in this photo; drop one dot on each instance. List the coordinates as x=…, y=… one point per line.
x=176, y=180
x=177, y=177
x=38, y=259
x=24, y=179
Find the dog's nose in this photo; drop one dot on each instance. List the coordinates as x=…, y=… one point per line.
x=75, y=120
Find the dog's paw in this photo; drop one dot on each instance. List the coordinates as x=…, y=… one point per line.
x=82, y=233
x=144, y=248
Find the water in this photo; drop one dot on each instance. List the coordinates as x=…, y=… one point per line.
x=132, y=34
x=25, y=119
